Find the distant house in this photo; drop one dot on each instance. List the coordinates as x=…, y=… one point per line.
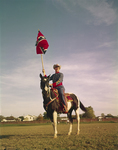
x=100, y=118
x=65, y=119
x=29, y=118
x=4, y=120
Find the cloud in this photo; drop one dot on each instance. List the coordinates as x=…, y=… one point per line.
x=107, y=44
x=102, y=11
x=21, y=76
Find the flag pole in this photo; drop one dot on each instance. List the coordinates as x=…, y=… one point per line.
x=42, y=59
x=42, y=63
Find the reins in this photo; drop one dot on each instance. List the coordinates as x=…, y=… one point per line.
x=51, y=99
x=46, y=105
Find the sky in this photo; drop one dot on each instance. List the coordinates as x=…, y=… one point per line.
x=83, y=39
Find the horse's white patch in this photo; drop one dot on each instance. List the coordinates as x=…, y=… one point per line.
x=45, y=79
x=69, y=105
x=55, y=123
x=46, y=88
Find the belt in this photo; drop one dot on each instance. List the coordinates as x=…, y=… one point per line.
x=54, y=86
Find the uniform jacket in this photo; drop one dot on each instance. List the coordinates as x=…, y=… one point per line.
x=57, y=79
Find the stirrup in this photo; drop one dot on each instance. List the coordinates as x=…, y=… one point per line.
x=65, y=111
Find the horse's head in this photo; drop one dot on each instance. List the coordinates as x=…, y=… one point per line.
x=44, y=83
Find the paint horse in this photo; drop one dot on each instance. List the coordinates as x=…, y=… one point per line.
x=52, y=104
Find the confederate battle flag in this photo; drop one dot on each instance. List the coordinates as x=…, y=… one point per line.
x=41, y=44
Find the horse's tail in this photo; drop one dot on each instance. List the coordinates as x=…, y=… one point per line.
x=82, y=106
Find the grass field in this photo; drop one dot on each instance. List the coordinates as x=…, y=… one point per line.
x=97, y=136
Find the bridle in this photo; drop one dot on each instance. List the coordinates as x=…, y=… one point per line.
x=46, y=91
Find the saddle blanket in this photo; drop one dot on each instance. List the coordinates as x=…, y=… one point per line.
x=59, y=101
x=67, y=95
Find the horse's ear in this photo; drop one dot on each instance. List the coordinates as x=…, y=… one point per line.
x=40, y=75
x=49, y=77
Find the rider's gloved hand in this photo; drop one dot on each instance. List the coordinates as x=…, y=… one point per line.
x=50, y=84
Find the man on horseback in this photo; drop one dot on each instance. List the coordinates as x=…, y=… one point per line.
x=57, y=80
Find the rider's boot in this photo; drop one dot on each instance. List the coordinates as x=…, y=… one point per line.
x=65, y=109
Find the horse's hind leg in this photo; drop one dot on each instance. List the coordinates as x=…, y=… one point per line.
x=55, y=123
x=78, y=120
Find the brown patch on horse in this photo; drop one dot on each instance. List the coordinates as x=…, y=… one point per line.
x=75, y=100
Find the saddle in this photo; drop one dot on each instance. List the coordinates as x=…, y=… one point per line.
x=59, y=101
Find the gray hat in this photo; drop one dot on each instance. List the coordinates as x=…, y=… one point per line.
x=56, y=65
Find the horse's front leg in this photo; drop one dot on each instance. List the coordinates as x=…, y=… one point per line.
x=78, y=120
x=71, y=122
x=70, y=129
x=55, y=123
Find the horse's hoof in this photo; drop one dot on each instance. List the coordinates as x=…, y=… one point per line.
x=69, y=134
x=55, y=137
x=77, y=133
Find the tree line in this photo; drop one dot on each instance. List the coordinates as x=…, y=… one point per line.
x=88, y=114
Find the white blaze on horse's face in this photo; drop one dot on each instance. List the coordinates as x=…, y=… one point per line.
x=46, y=88
x=45, y=79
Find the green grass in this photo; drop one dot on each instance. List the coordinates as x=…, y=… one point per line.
x=48, y=123
x=24, y=124
x=99, y=136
